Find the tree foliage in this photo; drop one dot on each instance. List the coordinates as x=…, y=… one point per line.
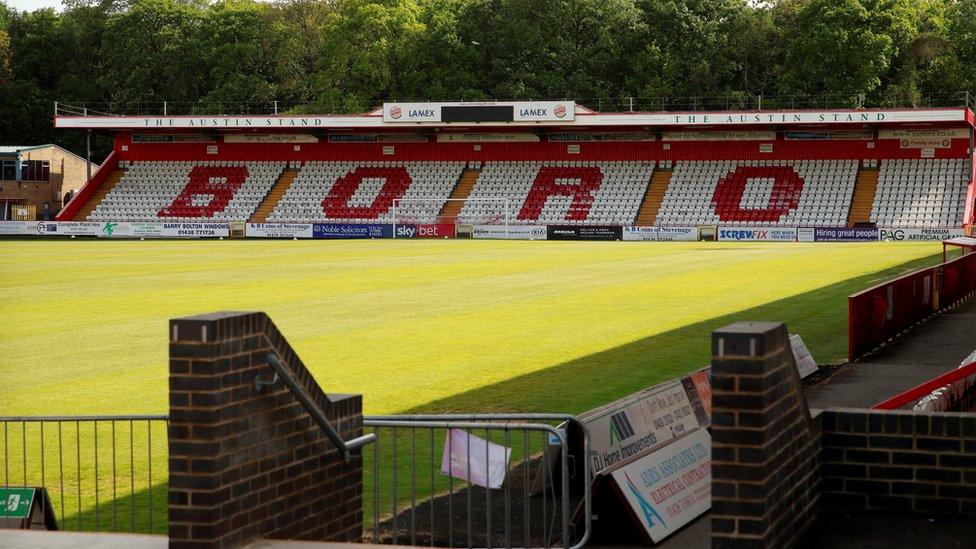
x=349, y=55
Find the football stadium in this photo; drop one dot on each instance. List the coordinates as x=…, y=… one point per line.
x=476, y=323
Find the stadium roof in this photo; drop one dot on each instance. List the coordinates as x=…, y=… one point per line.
x=518, y=114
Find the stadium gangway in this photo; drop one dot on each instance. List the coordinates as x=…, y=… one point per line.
x=388, y=517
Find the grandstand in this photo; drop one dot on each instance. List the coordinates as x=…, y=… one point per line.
x=898, y=169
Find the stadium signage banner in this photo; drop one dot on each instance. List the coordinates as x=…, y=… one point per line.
x=909, y=235
x=377, y=138
x=614, y=136
x=925, y=139
x=845, y=234
x=594, y=232
x=829, y=136
x=660, y=234
x=279, y=230
x=509, y=232
x=172, y=138
x=487, y=138
x=429, y=230
x=18, y=228
x=341, y=230
x=719, y=136
x=757, y=234
x=501, y=111
x=71, y=228
x=806, y=234
x=670, y=487
x=123, y=229
x=270, y=138
x=639, y=423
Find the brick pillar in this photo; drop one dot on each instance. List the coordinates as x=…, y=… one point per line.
x=765, y=448
x=248, y=465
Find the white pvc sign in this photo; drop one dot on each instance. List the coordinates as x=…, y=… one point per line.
x=919, y=235
x=279, y=230
x=509, y=232
x=670, y=487
x=660, y=234
x=805, y=363
x=638, y=423
x=18, y=228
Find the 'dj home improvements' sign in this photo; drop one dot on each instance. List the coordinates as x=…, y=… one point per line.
x=637, y=423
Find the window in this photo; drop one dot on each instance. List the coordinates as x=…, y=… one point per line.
x=8, y=171
x=35, y=170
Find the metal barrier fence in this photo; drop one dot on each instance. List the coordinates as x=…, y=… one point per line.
x=98, y=470
x=411, y=499
x=99, y=473
x=879, y=313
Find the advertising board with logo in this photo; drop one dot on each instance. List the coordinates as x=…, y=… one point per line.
x=342, y=230
x=279, y=230
x=429, y=230
x=757, y=234
x=521, y=137
x=670, y=487
x=509, y=232
x=377, y=138
x=270, y=138
x=917, y=235
x=498, y=111
x=806, y=234
x=660, y=234
x=124, y=229
x=612, y=136
x=925, y=139
x=845, y=234
x=79, y=228
x=638, y=423
x=18, y=228
x=594, y=232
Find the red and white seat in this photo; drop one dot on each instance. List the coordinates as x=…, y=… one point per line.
x=759, y=193
x=925, y=193
x=212, y=190
x=559, y=193
x=364, y=192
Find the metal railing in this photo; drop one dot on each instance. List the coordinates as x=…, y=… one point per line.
x=411, y=498
x=98, y=470
x=623, y=103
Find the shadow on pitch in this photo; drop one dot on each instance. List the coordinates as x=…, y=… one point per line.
x=586, y=382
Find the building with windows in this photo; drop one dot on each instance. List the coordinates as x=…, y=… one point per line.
x=35, y=181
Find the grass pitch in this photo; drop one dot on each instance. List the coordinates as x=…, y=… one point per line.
x=414, y=326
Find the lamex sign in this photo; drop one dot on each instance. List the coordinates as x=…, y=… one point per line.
x=431, y=230
x=341, y=230
x=758, y=234
x=910, y=235
x=522, y=111
x=669, y=487
x=845, y=234
x=509, y=232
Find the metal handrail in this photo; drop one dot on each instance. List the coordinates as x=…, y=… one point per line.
x=344, y=446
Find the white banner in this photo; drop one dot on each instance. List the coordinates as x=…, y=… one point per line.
x=660, y=234
x=805, y=363
x=150, y=229
x=757, y=234
x=18, y=228
x=806, y=234
x=670, y=487
x=638, y=423
x=509, y=232
x=909, y=235
x=278, y=230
